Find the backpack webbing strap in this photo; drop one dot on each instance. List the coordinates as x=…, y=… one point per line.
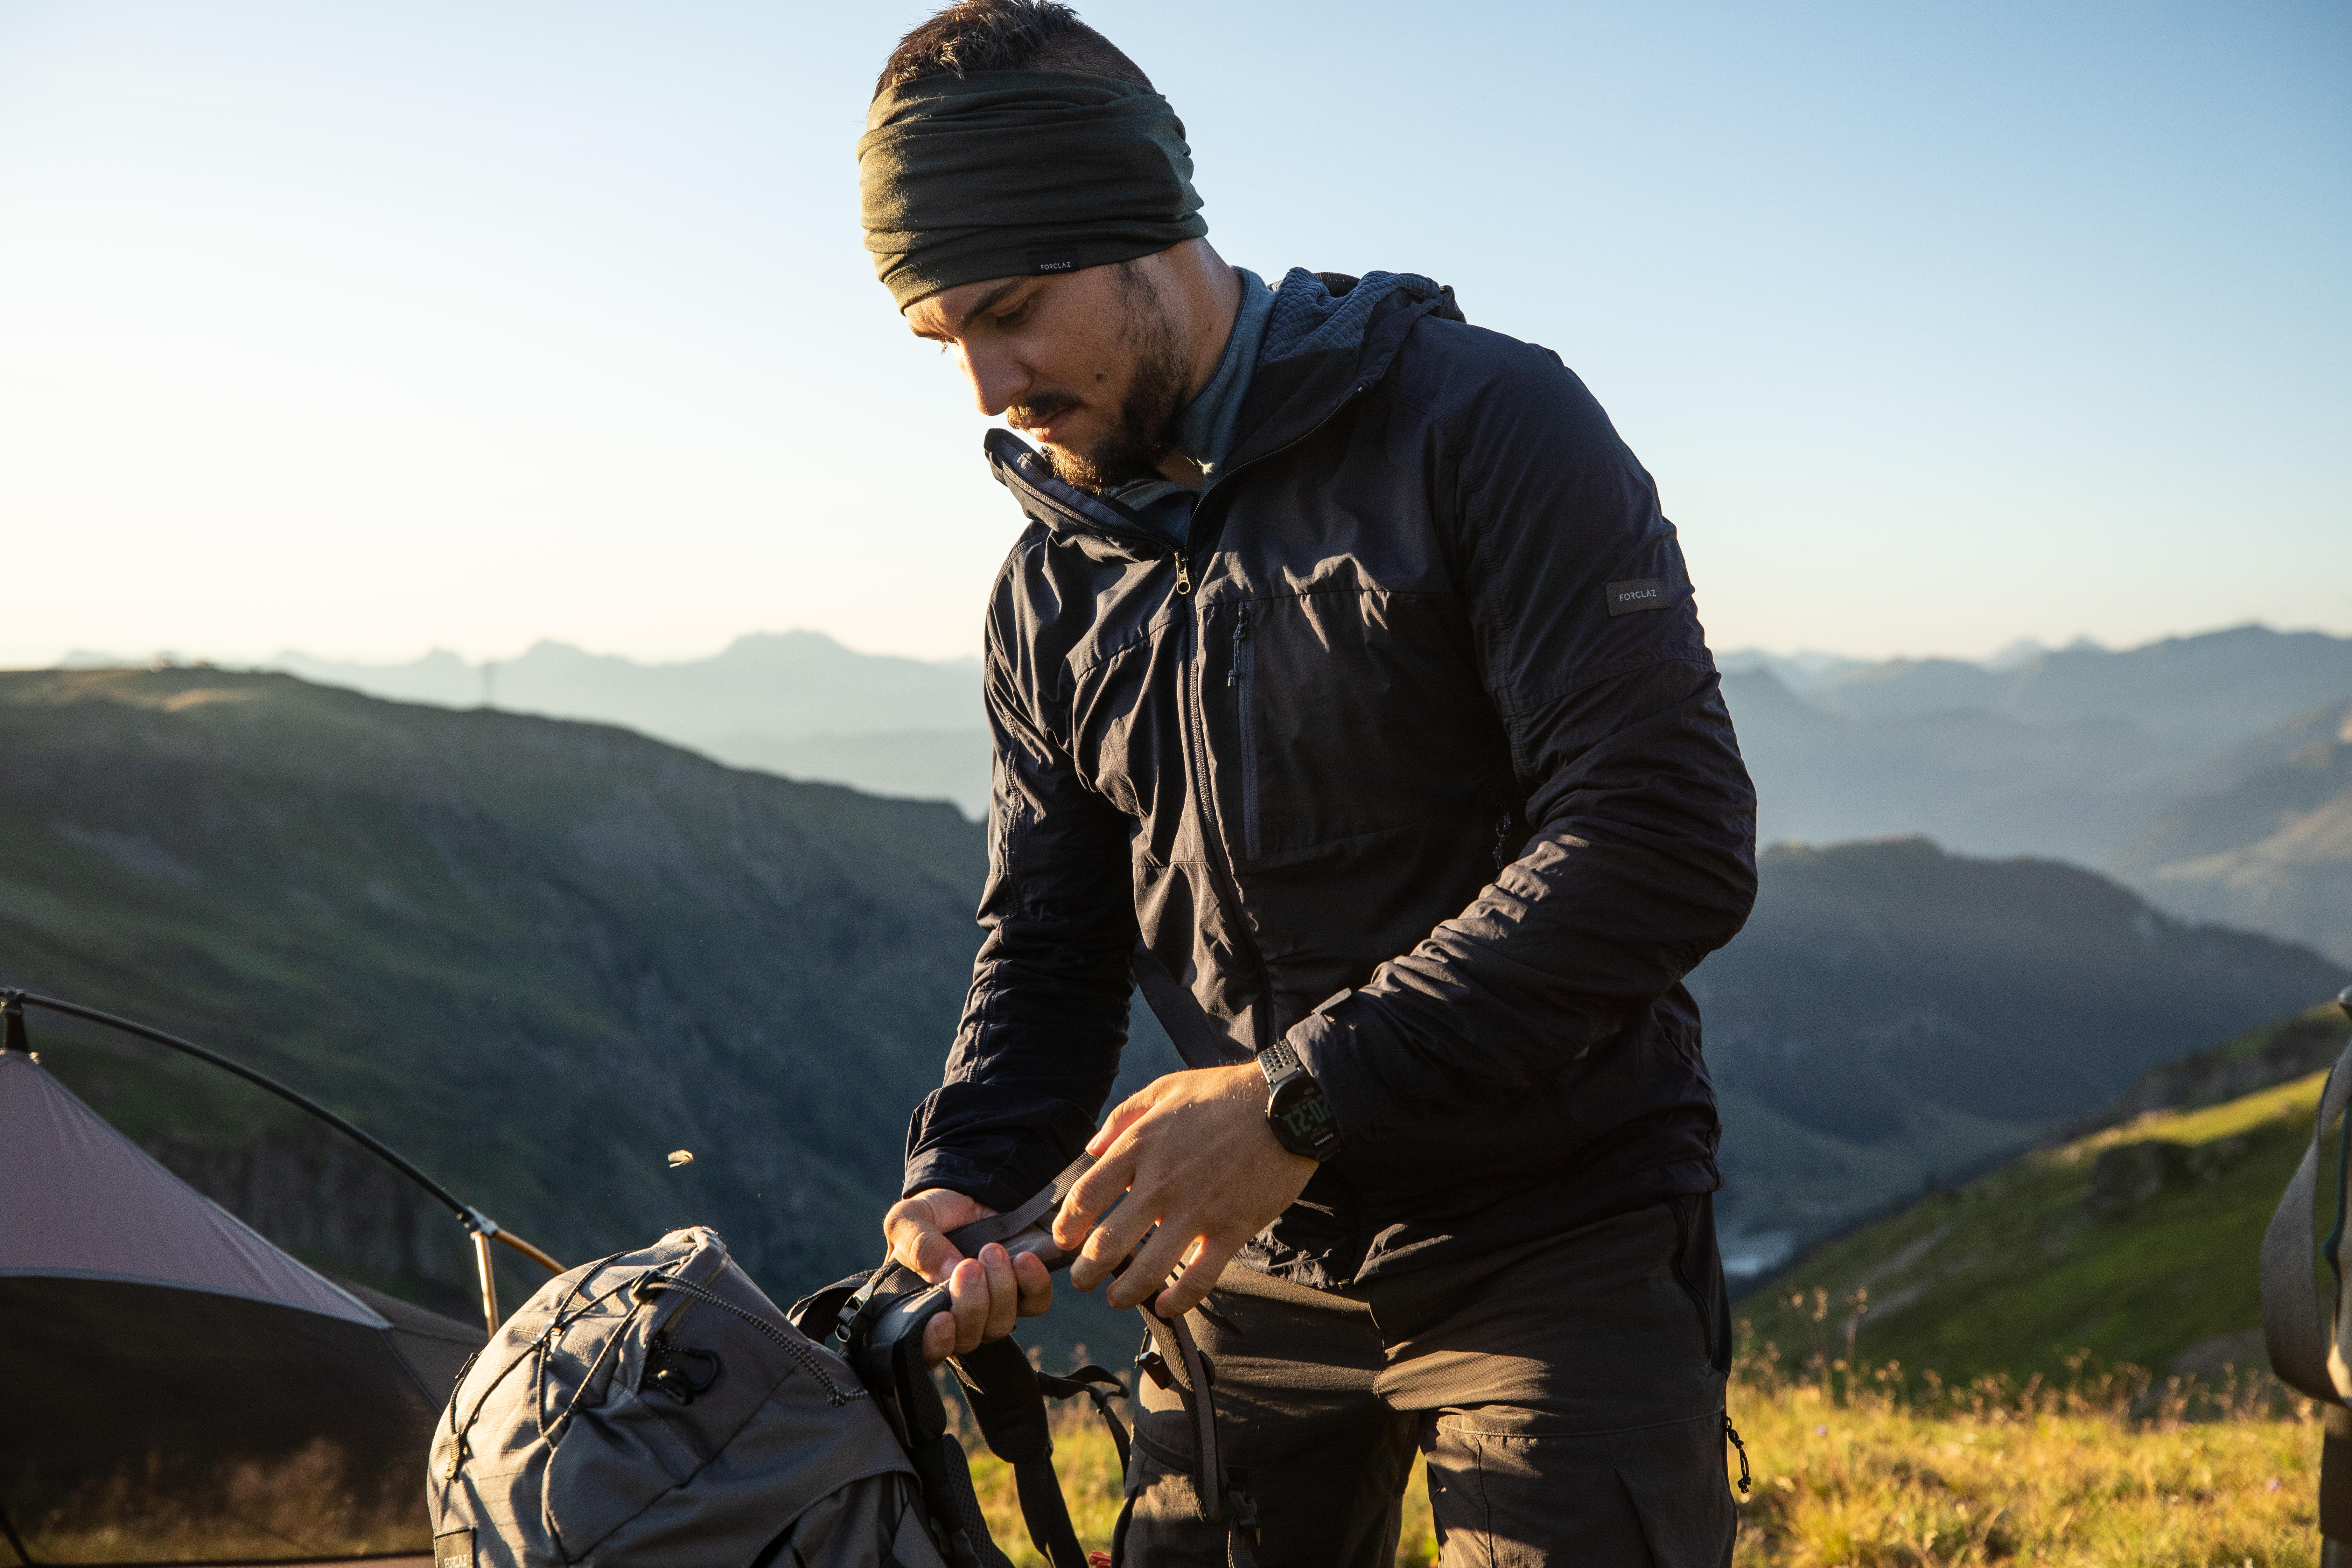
x=1003, y=1391
x=939, y=1462
x=968, y=1239
x=1099, y=1386
x=1196, y=1037
x=1213, y=1491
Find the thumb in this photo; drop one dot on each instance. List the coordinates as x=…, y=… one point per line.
x=917, y=1242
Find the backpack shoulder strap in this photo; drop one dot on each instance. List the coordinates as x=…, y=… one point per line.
x=1195, y=1035
x=1007, y=1398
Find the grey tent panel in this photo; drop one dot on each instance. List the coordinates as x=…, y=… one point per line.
x=80, y=1200
x=178, y=1389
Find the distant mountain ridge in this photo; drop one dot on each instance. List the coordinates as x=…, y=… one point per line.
x=2199, y=692
x=795, y=702
x=2212, y=772
x=776, y=683
x=2059, y=752
x=2271, y=847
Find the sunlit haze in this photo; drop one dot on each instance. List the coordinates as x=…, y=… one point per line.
x=367, y=328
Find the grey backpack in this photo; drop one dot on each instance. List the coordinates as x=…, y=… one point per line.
x=657, y=1408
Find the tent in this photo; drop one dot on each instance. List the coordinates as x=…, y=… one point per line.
x=177, y=1389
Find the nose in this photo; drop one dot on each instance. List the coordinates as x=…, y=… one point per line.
x=998, y=378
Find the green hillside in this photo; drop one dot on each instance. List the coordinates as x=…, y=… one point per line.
x=536, y=955
x=2138, y=1241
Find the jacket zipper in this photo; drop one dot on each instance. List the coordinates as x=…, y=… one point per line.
x=1226, y=884
x=1238, y=677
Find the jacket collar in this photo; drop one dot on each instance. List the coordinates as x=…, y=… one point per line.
x=1063, y=508
x=1289, y=396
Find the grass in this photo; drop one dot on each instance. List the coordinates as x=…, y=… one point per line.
x=2102, y=1469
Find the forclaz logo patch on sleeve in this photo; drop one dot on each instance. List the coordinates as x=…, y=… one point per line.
x=1640, y=593
x=455, y=1550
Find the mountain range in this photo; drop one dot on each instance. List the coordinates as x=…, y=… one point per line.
x=541, y=954
x=2205, y=770
x=797, y=703
x=2267, y=843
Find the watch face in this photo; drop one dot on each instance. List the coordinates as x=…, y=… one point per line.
x=1303, y=1120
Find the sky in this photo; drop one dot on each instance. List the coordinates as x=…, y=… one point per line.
x=368, y=328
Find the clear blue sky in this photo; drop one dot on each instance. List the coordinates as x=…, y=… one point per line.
x=368, y=327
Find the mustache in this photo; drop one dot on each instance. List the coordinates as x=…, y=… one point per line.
x=1039, y=409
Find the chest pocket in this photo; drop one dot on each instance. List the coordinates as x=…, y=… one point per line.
x=1341, y=713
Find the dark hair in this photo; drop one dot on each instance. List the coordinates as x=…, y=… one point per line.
x=1005, y=36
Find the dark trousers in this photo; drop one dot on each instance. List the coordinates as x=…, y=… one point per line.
x=1569, y=1395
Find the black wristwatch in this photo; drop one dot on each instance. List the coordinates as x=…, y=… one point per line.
x=1295, y=1105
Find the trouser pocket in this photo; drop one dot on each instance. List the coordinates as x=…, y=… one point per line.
x=1698, y=1269
x=1515, y=1498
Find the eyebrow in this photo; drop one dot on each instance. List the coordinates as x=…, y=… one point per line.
x=980, y=307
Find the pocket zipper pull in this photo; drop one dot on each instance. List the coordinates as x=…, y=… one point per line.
x=1241, y=634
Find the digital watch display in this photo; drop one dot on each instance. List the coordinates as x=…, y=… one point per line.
x=1295, y=1105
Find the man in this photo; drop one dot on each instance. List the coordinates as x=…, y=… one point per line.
x=1346, y=657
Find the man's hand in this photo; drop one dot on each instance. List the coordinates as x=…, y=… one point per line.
x=986, y=1293
x=1194, y=1154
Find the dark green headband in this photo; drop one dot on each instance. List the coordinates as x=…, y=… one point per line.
x=1005, y=173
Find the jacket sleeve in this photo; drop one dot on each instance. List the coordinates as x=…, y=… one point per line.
x=1640, y=858
x=1046, y=1015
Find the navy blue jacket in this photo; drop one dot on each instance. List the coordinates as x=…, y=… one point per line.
x=1422, y=713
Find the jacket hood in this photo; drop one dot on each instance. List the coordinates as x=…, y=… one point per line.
x=1324, y=312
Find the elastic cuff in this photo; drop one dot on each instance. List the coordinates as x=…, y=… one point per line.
x=1330, y=1047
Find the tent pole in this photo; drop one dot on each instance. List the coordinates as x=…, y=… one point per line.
x=482, y=1228
x=528, y=1250
x=489, y=1284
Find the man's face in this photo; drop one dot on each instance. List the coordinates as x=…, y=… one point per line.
x=1088, y=364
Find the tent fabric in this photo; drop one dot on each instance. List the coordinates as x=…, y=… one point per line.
x=148, y=1424
x=179, y=1390
x=80, y=1200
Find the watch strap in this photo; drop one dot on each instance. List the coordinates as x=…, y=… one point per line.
x=1278, y=1062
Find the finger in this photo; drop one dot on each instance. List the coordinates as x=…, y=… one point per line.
x=1154, y=1261
x=1094, y=1192
x=1200, y=1275
x=968, y=1297
x=939, y=1338
x=1123, y=1117
x=1004, y=1294
x=1110, y=1243
x=1036, y=1283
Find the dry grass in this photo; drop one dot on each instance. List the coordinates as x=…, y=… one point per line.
x=1878, y=1468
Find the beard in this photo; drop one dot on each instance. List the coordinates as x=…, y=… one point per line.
x=1143, y=430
